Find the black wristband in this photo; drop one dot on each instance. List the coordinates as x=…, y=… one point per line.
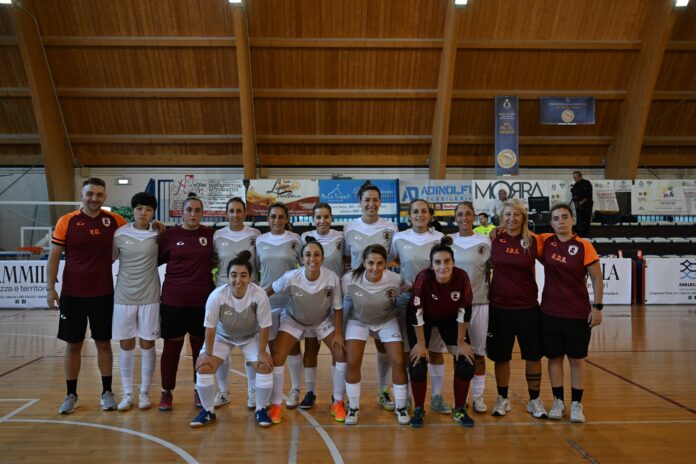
x=598, y=306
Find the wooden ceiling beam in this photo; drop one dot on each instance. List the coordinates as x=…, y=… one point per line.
x=246, y=96
x=513, y=44
x=137, y=92
x=624, y=154
x=443, y=103
x=137, y=41
x=163, y=160
x=55, y=145
x=19, y=139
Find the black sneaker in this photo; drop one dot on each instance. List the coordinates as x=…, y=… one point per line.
x=417, y=419
x=308, y=400
x=462, y=418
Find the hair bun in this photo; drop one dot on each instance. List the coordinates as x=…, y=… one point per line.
x=310, y=239
x=244, y=255
x=446, y=240
x=191, y=195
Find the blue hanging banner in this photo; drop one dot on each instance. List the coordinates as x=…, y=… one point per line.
x=507, y=162
x=567, y=111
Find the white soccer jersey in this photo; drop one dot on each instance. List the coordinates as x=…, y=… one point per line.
x=333, y=245
x=310, y=302
x=373, y=303
x=275, y=255
x=237, y=321
x=228, y=243
x=473, y=254
x=138, y=281
x=359, y=235
x=413, y=251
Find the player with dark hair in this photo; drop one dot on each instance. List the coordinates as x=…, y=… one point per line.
x=187, y=249
x=441, y=298
x=237, y=314
x=566, y=317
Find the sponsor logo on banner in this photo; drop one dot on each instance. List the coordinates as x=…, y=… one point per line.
x=442, y=195
x=506, y=136
x=342, y=195
x=298, y=195
x=213, y=190
x=670, y=281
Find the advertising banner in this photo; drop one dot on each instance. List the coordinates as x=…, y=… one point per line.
x=670, y=281
x=662, y=196
x=507, y=162
x=299, y=195
x=618, y=280
x=604, y=195
x=486, y=191
x=213, y=191
x=443, y=195
x=567, y=111
x=342, y=195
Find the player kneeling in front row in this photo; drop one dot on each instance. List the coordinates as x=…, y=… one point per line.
x=442, y=298
x=236, y=314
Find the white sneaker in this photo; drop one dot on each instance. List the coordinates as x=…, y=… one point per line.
x=576, y=414
x=144, y=401
x=293, y=399
x=221, y=398
x=251, y=399
x=352, y=416
x=479, y=404
x=126, y=402
x=557, y=410
x=536, y=409
x=402, y=416
x=70, y=403
x=502, y=406
x=108, y=401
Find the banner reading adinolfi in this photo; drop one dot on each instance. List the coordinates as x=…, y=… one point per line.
x=617, y=276
x=670, y=280
x=506, y=136
x=443, y=195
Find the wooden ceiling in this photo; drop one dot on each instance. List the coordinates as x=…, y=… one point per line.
x=347, y=82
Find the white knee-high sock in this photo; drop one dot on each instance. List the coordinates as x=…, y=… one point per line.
x=310, y=378
x=437, y=376
x=278, y=385
x=147, y=368
x=205, y=385
x=383, y=371
x=295, y=367
x=478, y=385
x=264, y=385
x=353, y=392
x=400, y=395
x=223, y=374
x=126, y=368
x=339, y=381
x=251, y=377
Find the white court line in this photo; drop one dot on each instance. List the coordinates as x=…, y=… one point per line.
x=294, y=443
x=183, y=454
x=525, y=424
x=28, y=404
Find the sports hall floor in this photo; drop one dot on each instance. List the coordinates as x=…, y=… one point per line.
x=640, y=402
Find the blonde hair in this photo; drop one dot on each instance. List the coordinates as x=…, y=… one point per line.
x=518, y=206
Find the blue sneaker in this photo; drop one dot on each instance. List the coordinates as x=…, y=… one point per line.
x=417, y=419
x=308, y=400
x=462, y=418
x=262, y=418
x=203, y=418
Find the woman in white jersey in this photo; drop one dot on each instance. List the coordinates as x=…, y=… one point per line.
x=333, y=243
x=277, y=252
x=229, y=242
x=412, y=249
x=370, y=291
x=367, y=230
x=315, y=301
x=237, y=314
x=472, y=252
x=136, y=298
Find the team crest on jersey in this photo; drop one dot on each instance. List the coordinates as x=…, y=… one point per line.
x=328, y=292
x=293, y=246
x=106, y=221
x=481, y=250
x=254, y=307
x=252, y=241
x=386, y=235
x=339, y=246
x=391, y=293
x=573, y=250
x=203, y=241
x=455, y=296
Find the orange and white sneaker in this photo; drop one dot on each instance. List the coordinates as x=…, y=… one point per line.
x=338, y=411
x=276, y=413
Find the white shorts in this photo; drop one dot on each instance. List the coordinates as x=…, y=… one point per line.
x=275, y=323
x=386, y=333
x=437, y=345
x=478, y=328
x=130, y=321
x=297, y=330
x=222, y=349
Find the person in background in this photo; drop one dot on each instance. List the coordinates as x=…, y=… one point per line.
x=484, y=227
x=581, y=192
x=498, y=207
